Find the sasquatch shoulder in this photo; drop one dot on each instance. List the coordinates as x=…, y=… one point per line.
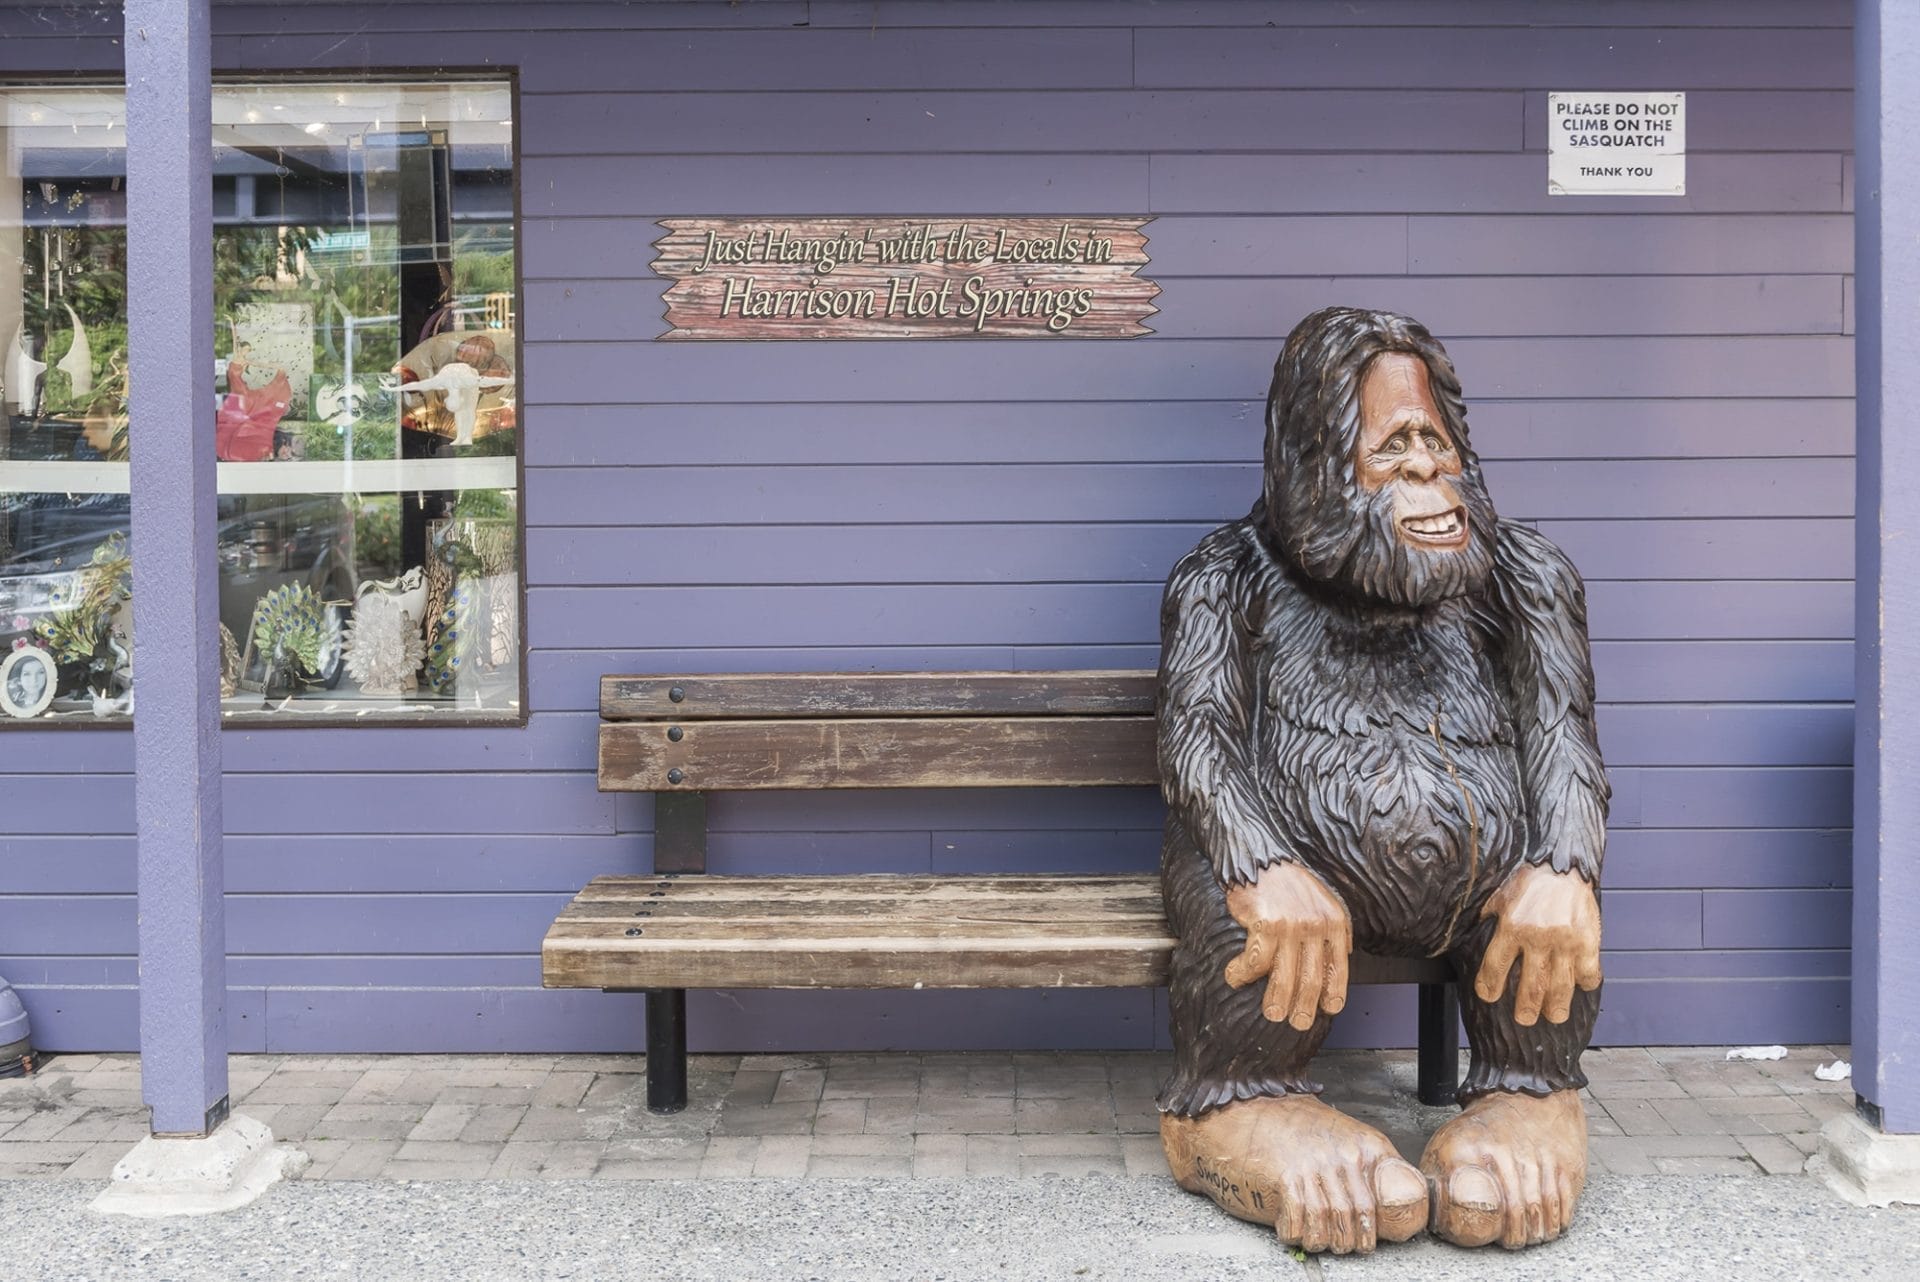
x=1533, y=619
x=1206, y=701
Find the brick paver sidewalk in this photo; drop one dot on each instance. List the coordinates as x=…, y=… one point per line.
x=1661, y=1110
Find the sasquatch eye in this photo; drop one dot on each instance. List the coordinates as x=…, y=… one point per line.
x=1435, y=444
x=1398, y=445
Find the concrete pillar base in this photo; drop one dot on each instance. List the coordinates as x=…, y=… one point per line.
x=217, y=1172
x=1865, y=1166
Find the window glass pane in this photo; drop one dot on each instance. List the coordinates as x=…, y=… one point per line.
x=366, y=411
x=65, y=621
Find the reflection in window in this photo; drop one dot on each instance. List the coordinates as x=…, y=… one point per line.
x=366, y=413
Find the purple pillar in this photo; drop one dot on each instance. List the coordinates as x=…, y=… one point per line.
x=1886, y=850
x=176, y=733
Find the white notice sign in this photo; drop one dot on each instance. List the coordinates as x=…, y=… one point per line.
x=1616, y=144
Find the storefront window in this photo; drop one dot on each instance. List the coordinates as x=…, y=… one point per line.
x=366, y=410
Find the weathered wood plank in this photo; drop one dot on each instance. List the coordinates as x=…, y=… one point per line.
x=878, y=931
x=771, y=695
x=1079, y=963
x=932, y=752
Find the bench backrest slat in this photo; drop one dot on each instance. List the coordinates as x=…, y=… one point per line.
x=910, y=752
x=767, y=696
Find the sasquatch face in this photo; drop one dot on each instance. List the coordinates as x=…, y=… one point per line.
x=1429, y=525
x=1405, y=449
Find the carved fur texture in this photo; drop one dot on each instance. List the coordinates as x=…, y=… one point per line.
x=1408, y=726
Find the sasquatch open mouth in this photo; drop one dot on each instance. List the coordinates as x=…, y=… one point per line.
x=1442, y=530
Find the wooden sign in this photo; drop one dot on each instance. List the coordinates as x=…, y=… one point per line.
x=879, y=277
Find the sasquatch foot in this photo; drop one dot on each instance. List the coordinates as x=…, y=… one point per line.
x=1508, y=1169
x=1324, y=1181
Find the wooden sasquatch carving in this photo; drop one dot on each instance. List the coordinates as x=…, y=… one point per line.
x=1376, y=730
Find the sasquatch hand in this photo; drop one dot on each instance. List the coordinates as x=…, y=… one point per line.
x=1298, y=935
x=1553, y=920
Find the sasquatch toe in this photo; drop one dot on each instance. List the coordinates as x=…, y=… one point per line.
x=1509, y=1169
x=1466, y=1207
x=1400, y=1193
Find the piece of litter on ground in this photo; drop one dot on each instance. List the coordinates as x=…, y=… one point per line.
x=1838, y=1071
x=1757, y=1052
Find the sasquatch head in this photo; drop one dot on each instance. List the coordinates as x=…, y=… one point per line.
x=1371, y=486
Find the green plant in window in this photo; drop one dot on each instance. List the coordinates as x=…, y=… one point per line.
x=376, y=536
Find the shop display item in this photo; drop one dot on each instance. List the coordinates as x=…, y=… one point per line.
x=1376, y=731
x=229, y=663
x=460, y=387
x=28, y=680
x=384, y=643
x=86, y=629
x=21, y=375
x=295, y=636
x=248, y=415
x=77, y=364
x=452, y=384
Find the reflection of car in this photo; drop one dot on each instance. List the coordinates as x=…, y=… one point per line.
x=56, y=535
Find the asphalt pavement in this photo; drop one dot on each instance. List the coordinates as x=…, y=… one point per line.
x=1703, y=1229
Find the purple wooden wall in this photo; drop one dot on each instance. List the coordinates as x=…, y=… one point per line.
x=1663, y=385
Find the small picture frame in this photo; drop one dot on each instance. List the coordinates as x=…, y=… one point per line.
x=27, y=681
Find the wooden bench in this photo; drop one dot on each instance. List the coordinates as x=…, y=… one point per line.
x=682, y=737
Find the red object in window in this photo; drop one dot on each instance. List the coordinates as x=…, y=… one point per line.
x=243, y=429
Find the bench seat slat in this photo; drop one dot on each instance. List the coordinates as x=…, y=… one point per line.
x=932, y=752
x=769, y=695
x=987, y=932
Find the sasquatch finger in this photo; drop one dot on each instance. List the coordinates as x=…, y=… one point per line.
x=1530, y=990
x=1280, y=980
x=1492, y=980
x=1335, y=999
x=1306, y=993
x=1588, y=972
x=1253, y=959
x=1560, y=990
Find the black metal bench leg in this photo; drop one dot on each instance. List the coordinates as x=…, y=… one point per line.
x=667, y=1050
x=1439, y=1043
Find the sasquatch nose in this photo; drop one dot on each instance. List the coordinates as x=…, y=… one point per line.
x=1420, y=465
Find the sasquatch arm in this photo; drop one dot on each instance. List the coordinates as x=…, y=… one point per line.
x=1206, y=704
x=1536, y=618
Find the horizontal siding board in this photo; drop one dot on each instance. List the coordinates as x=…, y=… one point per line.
x=1729, y=797
x=797, y=58
x=1764, y=548
x=1630, y=244
x=1189, y=431
x=1540, y=306
x=901, y=185
x=1567, y=368
x=1651, y=919
x=1626, y=671
x=932, y=123
x=1067, y=552
x=1775, y=918
x=1477, y=183
x=1096, y=614
x=1622, y=57
x=1762, y=670
x=558, y=15
x=894, y=494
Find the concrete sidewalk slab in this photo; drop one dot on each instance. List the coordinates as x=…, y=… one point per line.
x=1101, y=1228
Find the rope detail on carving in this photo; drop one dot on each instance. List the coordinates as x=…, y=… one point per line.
x=1473, y=833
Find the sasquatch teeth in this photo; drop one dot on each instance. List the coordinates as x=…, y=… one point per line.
x=1443, y=524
